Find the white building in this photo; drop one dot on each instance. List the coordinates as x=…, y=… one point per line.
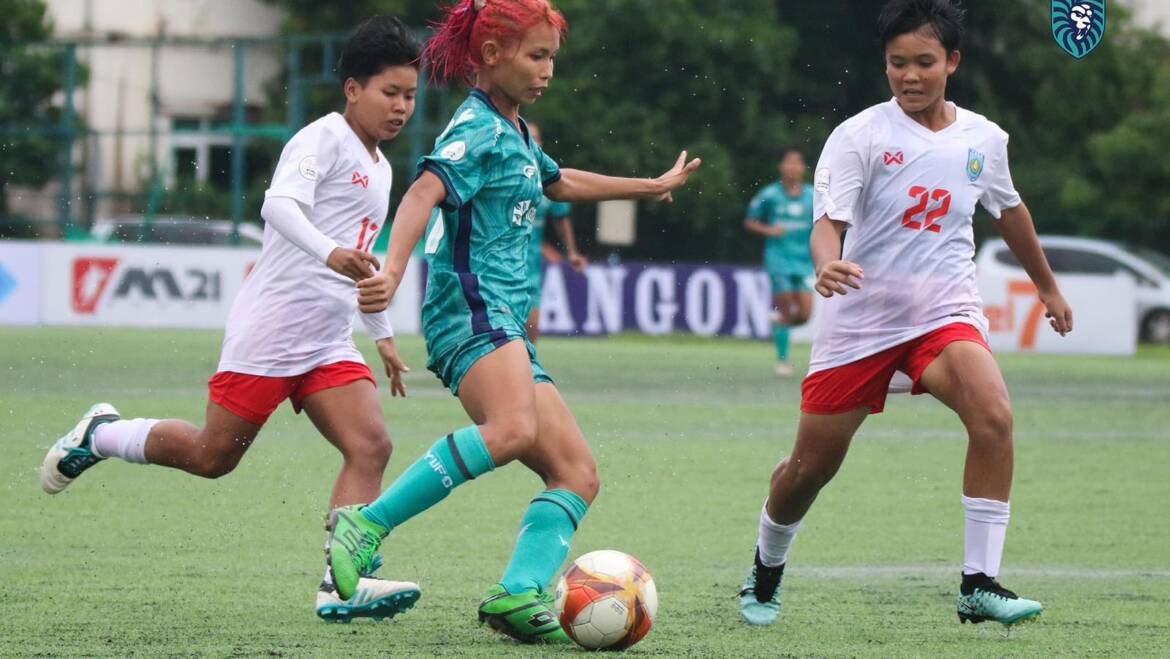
x=1151, y=13
x=194, y=83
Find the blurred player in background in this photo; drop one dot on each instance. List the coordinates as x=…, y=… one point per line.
x=488, y=175
x=904, y=177
x=782, y=213
x=558, y=214
x=289, y=333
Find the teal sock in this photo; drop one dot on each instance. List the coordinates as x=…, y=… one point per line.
x=451, y=462
x=780, y=334
x=543, y=544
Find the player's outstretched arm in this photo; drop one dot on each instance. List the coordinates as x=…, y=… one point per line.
x=410, y=221
x=833, y=274
x=1016, y=227
x=577, y=185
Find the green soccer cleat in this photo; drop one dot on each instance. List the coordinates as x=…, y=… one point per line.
x=988, y=600
x=72, y=454
x=759, y=599
x=526, y=616
x=351, y=548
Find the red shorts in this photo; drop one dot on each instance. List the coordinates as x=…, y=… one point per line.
x=865, y=382
x=255, y=397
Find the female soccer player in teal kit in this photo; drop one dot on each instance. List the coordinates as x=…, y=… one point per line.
x=782, y=213
x=487, y=175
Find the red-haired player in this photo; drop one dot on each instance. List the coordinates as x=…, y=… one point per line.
x=487, y=176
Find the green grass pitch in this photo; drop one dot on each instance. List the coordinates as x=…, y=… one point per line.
x=144, y=561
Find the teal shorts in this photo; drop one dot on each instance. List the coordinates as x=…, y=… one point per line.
x=453, y=364
x=784, y=282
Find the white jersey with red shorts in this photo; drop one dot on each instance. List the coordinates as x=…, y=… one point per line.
x=908, y=195
x=294, y=316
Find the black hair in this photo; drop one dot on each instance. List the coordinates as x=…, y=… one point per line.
x=943, y=17
x=378, y=43
x=791, y=148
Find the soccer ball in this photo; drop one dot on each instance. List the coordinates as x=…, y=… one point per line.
x=606, y=599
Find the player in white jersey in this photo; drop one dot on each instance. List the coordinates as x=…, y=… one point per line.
x=289, y=333
x=900, y=182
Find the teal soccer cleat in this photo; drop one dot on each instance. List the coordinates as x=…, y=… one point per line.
x=759, y=599
x=985, y=600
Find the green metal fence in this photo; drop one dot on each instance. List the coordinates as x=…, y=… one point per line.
x=305, y=87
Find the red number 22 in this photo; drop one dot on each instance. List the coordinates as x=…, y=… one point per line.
x=924, y=197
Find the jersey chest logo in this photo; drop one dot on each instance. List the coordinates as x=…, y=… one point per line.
x=893, y=158
x=358, y=179
x=524, y=211
x=974, y=165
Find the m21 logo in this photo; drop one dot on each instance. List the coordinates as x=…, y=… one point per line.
x=94, y=277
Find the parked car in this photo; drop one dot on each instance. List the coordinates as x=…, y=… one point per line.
x=174, y=231
x=1086, y=256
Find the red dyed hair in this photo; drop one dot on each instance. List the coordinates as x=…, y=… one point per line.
x=455, y=52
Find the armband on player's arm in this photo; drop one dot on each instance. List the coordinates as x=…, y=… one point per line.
x=378, y=325
x=290, y=220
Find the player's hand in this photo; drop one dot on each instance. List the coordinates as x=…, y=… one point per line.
x=1058, y=312
x=353, y=263
x=578, y=261
x=777, y=230
x=375, y=293
x=676, y=176
x=394, y=366
x=834, y=276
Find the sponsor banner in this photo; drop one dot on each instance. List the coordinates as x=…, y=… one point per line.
x=737, y=301
x=20, y=282
x=148, y=286
x=1104, y=315
x=657, y=299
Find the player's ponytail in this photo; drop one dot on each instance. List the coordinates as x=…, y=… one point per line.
x=455, y=52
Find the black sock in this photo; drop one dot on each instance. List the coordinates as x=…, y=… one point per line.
x=973, y=581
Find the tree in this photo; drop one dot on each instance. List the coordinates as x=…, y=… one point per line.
x=733, y=80
x=29, y=77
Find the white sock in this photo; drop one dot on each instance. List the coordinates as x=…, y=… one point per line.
x=775, y=539
x=124, y=439
x=328, y=578
x=987, y=521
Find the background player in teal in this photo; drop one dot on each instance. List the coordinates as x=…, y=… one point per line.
x=782, y=213
x=487, y=176
x=557, y=213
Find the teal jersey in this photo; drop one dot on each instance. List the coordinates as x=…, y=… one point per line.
x=545, y=211
x=789, y=253
x=495, y=176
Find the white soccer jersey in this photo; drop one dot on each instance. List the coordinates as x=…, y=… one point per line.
x=293, y=313
x=908, y=195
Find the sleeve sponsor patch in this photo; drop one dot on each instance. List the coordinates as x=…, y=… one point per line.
x=821, y=180
x=454, y=151
x=308, y=168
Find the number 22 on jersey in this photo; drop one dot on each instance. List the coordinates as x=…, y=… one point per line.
x=925, y=199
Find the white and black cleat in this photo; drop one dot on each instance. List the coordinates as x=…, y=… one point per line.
x=73, y=453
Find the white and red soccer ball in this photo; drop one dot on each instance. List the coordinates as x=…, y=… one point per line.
x=606, y=600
